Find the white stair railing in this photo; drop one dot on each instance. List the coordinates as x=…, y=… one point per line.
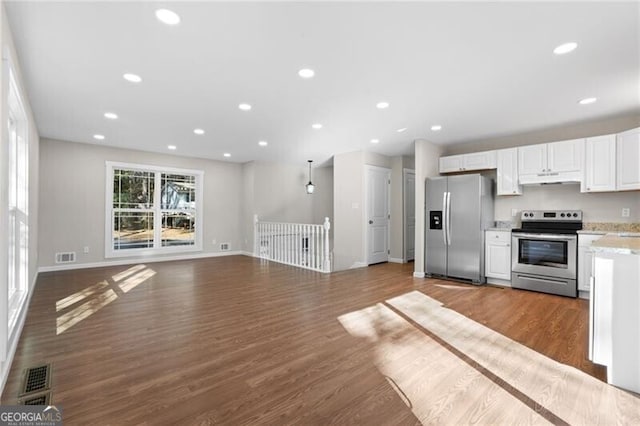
x=297, y=244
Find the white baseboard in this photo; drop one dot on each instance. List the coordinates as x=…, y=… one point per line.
x=418, y=274
x=16, y=339
x=498, y=281
x=247, y=253
x=120, y=262
x=396, y=260
x=358, y=265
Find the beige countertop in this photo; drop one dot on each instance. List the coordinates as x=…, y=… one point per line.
x=622, y=242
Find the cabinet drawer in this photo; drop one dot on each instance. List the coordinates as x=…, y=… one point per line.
x=498, y=237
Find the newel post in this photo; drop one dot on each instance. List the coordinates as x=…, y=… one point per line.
x=326, y=264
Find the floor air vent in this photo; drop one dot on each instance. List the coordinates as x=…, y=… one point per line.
x=36, y=379
x=36, y=399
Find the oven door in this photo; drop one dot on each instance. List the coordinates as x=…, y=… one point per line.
x=544, y=254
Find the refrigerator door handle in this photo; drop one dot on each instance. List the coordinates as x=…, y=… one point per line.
x=448, y=218
x=444, y=217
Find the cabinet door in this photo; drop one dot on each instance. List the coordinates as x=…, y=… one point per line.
x=600, y=164
x=585, y=268
x=565, y=156
x=452, y=163
x=532, y=159
x=480, y=160
x=628, y=147
x=507, y=174
x=498, y=255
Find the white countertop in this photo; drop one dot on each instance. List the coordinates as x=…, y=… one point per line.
x=618, y=242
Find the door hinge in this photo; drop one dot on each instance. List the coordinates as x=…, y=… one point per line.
x=388, y=251
x=389, y=181
x=388, y=216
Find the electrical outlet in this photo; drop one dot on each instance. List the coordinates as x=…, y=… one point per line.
x=626, y=212
x=214, y=241
x=86, y=249
x=514, y=212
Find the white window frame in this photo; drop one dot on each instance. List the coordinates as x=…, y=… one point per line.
x=157, y=209
x=18, y=209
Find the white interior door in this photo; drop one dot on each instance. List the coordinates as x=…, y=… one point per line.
x=409, y=197
x=377, y=214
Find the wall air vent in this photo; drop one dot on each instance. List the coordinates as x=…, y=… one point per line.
x=224, y=247
x=66, y=257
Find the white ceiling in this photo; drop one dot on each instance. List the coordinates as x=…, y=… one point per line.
x=478, y=69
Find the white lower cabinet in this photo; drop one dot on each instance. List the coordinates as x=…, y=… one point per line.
x=498, y=256
x=585, y=260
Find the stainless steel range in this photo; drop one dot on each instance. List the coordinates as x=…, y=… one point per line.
x=544, y=251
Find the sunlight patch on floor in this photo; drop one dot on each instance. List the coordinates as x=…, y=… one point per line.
x=98, y=296
x=450, y=369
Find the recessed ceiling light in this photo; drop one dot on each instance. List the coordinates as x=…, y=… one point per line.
x=565, y=48
x=317, y=126
x=171, y=147
x=263, y=143
x=382, y=105
x=306, y=73
x=375, y=140
x=111, y=115
x=401, y=130
x=99, y=137
x=167, y=16
x=436, y=128
x=226, y=154
x=134, y=78
x=587, y=101
x=244, y=107
x=198, y=131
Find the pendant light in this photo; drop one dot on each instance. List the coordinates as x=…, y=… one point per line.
x=310, y=187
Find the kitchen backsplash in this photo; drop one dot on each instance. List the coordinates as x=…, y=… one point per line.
x=603, y=207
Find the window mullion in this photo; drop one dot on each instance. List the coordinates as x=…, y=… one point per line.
x=157, y=210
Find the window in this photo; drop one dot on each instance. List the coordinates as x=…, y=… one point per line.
x=18, y=204
x=152, y=210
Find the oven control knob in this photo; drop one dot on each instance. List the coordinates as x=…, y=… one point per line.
x=526, y=215
x=561, y=214
x=575, y=215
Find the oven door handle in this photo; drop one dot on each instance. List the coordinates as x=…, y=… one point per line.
x=546, y=237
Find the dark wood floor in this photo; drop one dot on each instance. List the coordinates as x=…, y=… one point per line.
x=237, y=340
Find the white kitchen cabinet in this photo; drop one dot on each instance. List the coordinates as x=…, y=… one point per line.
x=585, y=260
x=551, y=162
x=507, y=173
x=498, y=256
x=467, y=162
x=600, y=164
x=628, y=167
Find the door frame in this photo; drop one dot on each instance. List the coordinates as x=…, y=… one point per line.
x=406, y=172
x=365, y=210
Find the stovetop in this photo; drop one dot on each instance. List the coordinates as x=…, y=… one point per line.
x=550, y=222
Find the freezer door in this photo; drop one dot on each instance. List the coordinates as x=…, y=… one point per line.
x=436, y=247
x=466, y=242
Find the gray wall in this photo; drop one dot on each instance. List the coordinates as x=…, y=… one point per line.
x=276, y=193
x=72, y=193
x=427, y=157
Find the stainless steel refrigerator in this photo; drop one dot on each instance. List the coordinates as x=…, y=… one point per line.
x=458, y=210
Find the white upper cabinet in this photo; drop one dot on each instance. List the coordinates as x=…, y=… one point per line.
x=551, y=162
x=507, y=173
x=467, y=162
x=628, y=148
x=600, y=164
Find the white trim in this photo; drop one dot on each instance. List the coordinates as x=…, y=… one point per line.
x=405, y=173
x=396, y=260
x=17, y=332
x=498, y=281
x=129, y=261
x=108, y=206
x=358, y=265
x=248, y=253
x=418, y=275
